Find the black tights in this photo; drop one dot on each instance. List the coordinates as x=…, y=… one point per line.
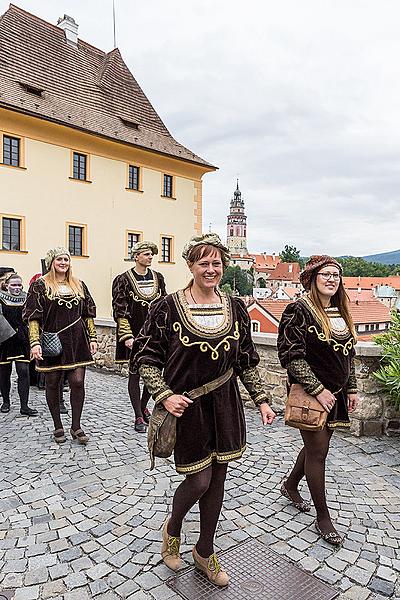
x=76, y=380
x=311, y=463
x=138, y=403
x=207, y=488
x=22, y=369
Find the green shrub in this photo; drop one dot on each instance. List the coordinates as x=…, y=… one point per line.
x=389, y=372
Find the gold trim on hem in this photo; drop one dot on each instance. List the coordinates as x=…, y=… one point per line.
x=64, y=367
x=15, y=359
x=220, y=457
x=335, y=424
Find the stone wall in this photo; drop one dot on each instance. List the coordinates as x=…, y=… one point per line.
x=374, y=416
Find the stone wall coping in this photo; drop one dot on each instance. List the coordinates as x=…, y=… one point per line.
x=105, y=323
x=366, y=349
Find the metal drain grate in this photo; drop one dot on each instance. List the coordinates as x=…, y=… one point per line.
x=255, y=572
x=7, y=594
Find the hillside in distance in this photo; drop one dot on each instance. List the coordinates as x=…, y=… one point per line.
x=385, y=258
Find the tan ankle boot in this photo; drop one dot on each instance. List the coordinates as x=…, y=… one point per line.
x=211, y=567
x=170, y=549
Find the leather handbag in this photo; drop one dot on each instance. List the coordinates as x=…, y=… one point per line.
x=161, y=435
x=303, y=411
x=51, y=344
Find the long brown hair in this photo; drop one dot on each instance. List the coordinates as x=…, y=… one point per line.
x=53, y=286
x=340, y=300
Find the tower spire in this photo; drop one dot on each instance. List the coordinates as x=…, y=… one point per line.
x=236, y=224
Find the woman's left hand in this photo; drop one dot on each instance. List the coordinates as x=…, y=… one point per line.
x=267, y=414
x=352, y=401
x=93, y=347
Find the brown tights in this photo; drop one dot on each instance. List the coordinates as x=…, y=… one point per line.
x=206, y=488
x=311, y=463
x=76, y=380
x=138, y=403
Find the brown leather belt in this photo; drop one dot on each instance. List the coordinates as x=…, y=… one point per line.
x=209, y=387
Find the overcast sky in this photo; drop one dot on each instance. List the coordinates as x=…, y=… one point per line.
x=299, y=99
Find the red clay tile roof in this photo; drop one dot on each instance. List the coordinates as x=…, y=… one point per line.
x=362, y=296
x=368, y=283
x=274, y=307
x=283, y=272
x=83, y=87
x=266, y=261
x=372, y=311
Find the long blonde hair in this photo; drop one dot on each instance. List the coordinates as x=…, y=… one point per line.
x=53, y=286
x=340, y=300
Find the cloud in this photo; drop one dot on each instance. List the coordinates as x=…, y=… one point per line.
x=300, y=99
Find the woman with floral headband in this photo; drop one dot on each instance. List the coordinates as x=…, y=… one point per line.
x=59, y=302
x=316, y=345
x=199, y=339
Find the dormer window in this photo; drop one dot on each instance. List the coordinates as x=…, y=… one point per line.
x=32, y=90
x=130, y=124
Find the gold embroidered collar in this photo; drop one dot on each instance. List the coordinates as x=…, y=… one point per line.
x=137, y=294
x=185, y=313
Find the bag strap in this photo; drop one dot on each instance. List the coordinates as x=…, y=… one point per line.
x=209, y=387
x=68, y=326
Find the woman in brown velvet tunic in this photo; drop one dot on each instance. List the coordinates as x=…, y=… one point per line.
x=132, y=294
x=195, y=336
x=316, y=345
x=58, y=302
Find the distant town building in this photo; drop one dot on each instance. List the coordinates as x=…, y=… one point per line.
x=370, y=317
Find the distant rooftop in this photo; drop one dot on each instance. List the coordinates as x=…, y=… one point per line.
x=48, y=72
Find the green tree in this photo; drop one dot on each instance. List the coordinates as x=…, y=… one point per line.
x=389, y=371
x=291, y=254
x=354, y=266
x=239, y=280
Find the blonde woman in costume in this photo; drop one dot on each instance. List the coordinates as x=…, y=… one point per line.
x=316, y=345
x=197, y=336
x=59, y=302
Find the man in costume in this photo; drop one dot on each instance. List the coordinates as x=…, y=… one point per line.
x=133, y=292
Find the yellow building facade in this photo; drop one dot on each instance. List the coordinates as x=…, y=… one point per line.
x=64, y=184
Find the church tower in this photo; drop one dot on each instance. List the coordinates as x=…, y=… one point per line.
x=236, y=228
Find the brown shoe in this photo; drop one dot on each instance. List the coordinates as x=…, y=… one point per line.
x=211, y=567
x=170, y=549
x=59, y=436
x=80, y=436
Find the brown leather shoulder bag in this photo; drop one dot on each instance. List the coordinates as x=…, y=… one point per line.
x=303, y=411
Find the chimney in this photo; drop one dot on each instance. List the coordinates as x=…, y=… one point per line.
x=70, y=28
x=290, y=268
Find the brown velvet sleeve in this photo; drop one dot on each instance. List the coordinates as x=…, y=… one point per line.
x=89, y=307
x=152, y=344
x=352, y=383
x=34, y=306
x=301, y=371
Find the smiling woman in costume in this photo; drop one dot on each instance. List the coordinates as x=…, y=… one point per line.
x=198, y=336
x=316, y=345
x=59, y=302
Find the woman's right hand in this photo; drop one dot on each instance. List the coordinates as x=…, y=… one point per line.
x=37, y=352
x=176, y=404
x=326, y=399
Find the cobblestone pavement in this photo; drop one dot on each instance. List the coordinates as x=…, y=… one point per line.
x=78, y=523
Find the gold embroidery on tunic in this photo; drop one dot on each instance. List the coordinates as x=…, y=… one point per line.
x=185, y=313
x=68, y=301
x=335, y=344
x=205, y=346
x=137, y=295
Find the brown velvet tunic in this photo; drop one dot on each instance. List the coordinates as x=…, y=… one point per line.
x=55, y=314
x=191, y=355
x=314, y=361
x=131, y=305
x=17, y=346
